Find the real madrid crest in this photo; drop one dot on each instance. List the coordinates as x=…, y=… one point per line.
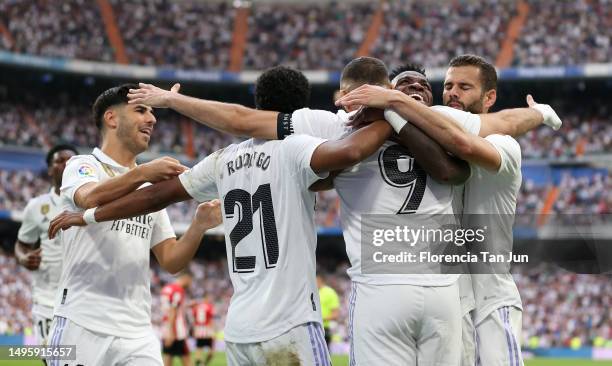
x=44, y=209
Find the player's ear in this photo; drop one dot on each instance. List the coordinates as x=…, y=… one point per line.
x=490, y=98
x=110, y=118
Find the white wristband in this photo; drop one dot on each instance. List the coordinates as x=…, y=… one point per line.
x=88, y=216
x=551, y=118
x=395, y=120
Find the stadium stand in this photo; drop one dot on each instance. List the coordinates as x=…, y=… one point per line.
x=433, y=32
x=549, y=39
x=306, y=36
x=71, y=29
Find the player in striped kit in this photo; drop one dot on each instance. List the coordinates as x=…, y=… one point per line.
x=202, y=314
x=174, y=328
x=45, y=262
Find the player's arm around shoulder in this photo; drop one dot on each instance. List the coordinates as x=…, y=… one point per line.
x=86, y=189
x=346, y=152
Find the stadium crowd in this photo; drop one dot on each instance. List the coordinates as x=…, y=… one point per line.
x=71, y=29
x=558, y=306
x=433, y=32
x=568, y=33
x=186, y=34
x=306, y=36
x=198, y=35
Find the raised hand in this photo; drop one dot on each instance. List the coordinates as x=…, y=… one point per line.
x=161, y=169
x=152, y=96
x=65, y=220
x=551, y=118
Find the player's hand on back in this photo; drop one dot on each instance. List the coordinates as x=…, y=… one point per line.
x=31, y=260
x=64, y=221
x=551, y=118
x=161, y=169
x=364, y=116
x=208, y=214
x=152, y=96
x=369, y=95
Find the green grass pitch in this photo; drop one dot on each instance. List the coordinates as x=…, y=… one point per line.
x=219, y=360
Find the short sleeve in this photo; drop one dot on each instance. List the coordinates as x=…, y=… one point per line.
x=29, y=231
x=469, y=121
x=297, y=152
x=510, y=152
x=318, y=123
x=200, y=181
x=80, y=170
x=162, y=230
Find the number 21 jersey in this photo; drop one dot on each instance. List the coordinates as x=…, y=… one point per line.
x=270, y=234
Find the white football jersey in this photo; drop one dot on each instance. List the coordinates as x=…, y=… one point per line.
x=105, y=284
x=388, y=182
x=270, y=234
x=37, y=215
x=495, y=194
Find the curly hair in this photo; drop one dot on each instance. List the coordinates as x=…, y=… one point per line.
x=407, y=67
x=282, y=89
x=58, y=148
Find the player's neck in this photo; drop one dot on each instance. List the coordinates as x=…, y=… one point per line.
x=119, y=153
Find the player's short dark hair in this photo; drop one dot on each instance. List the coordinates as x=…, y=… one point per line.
x=109, y=98
x=488, y=74
x=365, y=70
x=407, y=67
x=282, y=89
x=58, y=148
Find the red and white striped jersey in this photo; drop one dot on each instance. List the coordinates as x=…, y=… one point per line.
x=173, y=297
x=203, y=313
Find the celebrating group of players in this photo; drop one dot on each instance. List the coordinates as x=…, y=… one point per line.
x=399, y=156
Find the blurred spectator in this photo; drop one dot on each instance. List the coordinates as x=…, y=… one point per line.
x=187, y=34
x=433, y=32
x=565, y=33
x=18, y=187
x=70, y=29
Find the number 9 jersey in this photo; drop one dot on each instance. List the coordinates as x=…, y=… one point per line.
x=388, y=182
x=270, y=234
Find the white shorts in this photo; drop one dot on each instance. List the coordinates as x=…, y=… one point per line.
x=93, y=349
x=42, y=316
x=468, y=338
x=497, y=338
x=302, y=345
x=398, y=324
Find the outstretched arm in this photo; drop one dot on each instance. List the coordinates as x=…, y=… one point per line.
x=234, y=119
x=142, y=201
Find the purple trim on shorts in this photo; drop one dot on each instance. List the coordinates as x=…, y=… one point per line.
x=321, y=334
x=314, y=346
x=352, y=299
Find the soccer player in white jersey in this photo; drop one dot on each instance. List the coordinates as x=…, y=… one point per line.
x=492, y=189
x=103, y=302
x=235, y=119
x=45, y=262
x=274, y=315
